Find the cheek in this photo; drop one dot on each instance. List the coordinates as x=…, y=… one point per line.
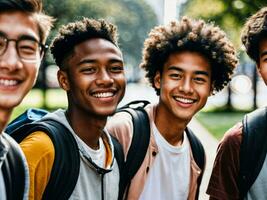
x=121, y=80
x=204, y=92
x=263, y=71
x=32, y=72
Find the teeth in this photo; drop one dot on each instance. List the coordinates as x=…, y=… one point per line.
x=8, y=82
x=183, y=100
x=103, y=94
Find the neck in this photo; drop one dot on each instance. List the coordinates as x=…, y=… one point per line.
x=89, y=128
x=4, y=117
x=171, y=128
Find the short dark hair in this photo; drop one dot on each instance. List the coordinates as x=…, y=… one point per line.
x=190, y=35
x=34, y=8
x=255, y=29
x=76, y=32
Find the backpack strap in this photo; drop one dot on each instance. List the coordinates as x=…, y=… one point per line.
x=118, y=152
x=253, y=149
x=138, y=147
x=198, y=154
x=65, y=170
x=14, y=172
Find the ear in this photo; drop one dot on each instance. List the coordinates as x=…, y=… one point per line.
x=157, y=78
x=63, y=80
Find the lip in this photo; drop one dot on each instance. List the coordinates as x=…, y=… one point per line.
x=184, y=102
x=7, y=84
x=104, y=95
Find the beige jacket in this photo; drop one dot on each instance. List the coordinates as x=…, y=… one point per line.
x=120, y=125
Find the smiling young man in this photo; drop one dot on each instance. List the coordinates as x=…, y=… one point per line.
x=245, y=140
x=185, y=61
x=23, y=32
x=91, y=71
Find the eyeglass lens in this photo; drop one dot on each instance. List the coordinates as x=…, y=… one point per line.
x=27, y=49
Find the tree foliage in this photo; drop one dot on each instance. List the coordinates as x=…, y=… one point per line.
x=133, y=18
x=228, y=14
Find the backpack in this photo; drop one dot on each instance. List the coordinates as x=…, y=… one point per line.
x=67, y=159
x=128, y=169
x=138, y=149
x=253, y=149
x=13, y=170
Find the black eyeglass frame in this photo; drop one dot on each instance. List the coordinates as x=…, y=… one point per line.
x=43, y=47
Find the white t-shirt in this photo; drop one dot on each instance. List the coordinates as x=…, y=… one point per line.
x=98, y=156
x=169, y=177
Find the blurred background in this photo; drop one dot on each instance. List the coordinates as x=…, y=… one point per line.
x=134, y=19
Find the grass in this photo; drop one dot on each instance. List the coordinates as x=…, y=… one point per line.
x=55, y=98
x=219, y=122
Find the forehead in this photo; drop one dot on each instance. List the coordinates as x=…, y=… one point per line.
x=17, y=23
x=97, y=47
x=188, y=61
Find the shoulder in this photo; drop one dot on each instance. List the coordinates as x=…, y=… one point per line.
x=233, y=136
x=37, y=145
x=120, y=123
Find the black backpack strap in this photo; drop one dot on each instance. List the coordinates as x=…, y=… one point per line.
x=65, y=170
x=118, y=152
x=14, y=172
x=138, y=147
x=198, y=154
x=253, y=149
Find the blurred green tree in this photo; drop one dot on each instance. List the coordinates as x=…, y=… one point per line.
x=133, y=18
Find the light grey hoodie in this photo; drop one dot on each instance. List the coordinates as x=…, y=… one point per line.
x=91, y=184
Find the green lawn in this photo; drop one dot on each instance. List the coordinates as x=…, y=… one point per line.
x=219, y=122
x=56, y=98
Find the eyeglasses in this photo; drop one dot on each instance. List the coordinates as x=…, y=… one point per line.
x=28, y=49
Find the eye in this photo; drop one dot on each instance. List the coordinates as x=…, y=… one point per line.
x=176, y=76
x=264, y=59
x=116, y=68
x=28, y=47
x=88, y=69
x=200, y=80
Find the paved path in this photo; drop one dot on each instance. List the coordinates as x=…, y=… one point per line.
x=210, y=146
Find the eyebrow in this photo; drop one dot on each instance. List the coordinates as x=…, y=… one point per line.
x=263, y=53
x=113, y=60
x=196, y=72
x=22, y=36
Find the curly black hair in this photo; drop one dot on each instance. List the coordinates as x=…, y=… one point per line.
x=76, y=32
x=190, y=35
x=34, y=8
x=255, y=29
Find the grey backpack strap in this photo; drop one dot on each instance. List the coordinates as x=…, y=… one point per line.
x=14, y=172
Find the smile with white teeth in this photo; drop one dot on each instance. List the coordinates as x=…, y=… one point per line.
x=184, y=100
x=103, y=94
x=5, y=82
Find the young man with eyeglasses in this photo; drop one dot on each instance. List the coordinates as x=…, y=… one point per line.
x=23, y=32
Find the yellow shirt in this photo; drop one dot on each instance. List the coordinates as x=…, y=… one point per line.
x=40, y=153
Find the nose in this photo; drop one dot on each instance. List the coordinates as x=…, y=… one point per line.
x=186, y=86
x=10, y=60
x=104, y=79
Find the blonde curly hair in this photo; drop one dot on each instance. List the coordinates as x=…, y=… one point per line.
x=190, y=35
x=255, y=29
